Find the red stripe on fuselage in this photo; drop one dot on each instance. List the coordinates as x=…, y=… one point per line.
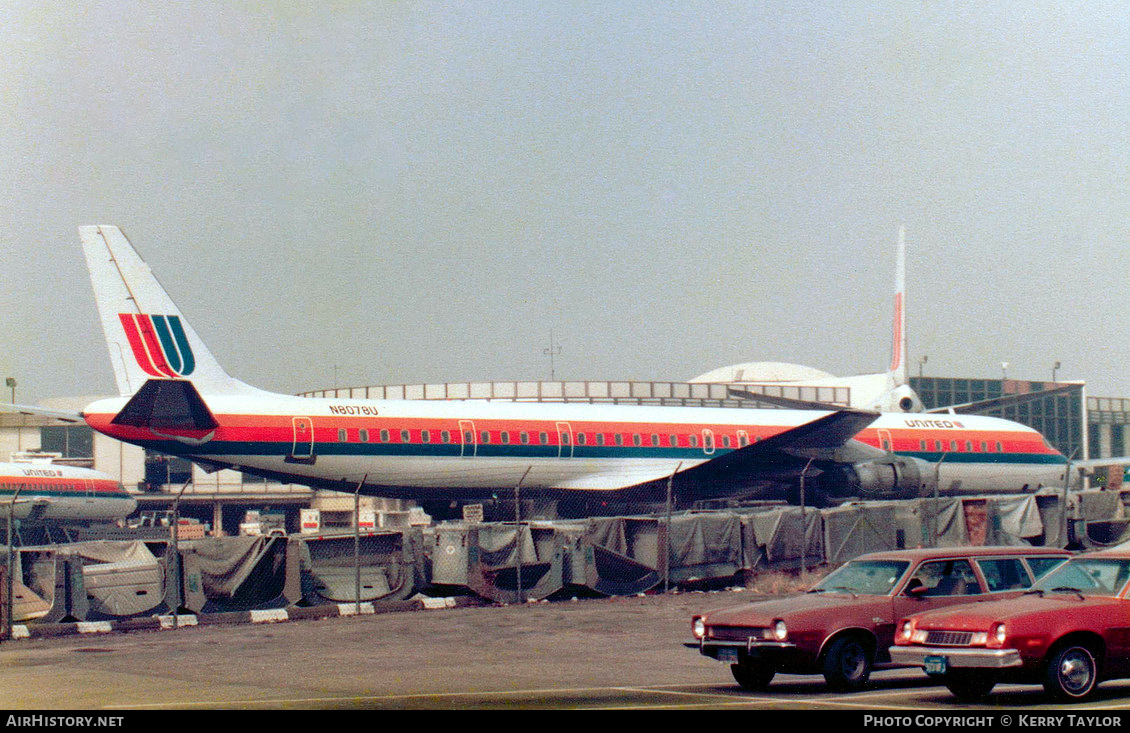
x=909, y=440
x=103, y=488
x=279, y=429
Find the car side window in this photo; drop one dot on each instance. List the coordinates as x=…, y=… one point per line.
x=1041, y=565
x=945, y=578
x=1004, y=574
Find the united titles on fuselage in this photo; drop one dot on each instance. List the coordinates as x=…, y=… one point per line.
x=934, y=424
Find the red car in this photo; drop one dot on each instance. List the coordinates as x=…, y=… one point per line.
x=843, y=627
x=1070, y=631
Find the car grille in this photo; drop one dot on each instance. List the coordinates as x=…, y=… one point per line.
x=949, y=638
x=736, y=633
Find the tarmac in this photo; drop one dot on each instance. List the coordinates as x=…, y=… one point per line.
x=605, y=653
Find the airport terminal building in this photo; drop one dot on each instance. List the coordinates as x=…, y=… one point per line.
x=1060, y=411
x=1077, y=425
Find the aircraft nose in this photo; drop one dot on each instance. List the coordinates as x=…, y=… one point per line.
x=129, y=502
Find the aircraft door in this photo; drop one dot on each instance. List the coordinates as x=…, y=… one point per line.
x=303, y=449
x=564, y=440
x=468, y=444
x=707, y=441
x=885, y=440
x=89, y=486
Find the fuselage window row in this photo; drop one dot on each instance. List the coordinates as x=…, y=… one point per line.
x=566, y=438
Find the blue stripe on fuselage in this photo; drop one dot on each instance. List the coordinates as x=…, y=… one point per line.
x=495, y=450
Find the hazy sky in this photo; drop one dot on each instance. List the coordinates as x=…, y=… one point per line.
x=408, y=192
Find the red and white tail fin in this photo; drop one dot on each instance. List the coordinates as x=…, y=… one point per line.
x=147, y=336
x=899, y=396
x=898, y=368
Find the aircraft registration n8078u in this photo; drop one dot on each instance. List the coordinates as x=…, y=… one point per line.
x=177, y=399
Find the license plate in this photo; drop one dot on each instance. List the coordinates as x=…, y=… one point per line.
x=728, y=655
x=935, y=665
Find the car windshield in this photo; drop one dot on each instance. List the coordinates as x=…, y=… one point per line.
x=873, y=577
x=1088, y=576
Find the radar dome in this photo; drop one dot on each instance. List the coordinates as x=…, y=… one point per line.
x=763, y=371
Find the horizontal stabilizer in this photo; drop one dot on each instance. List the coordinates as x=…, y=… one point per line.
x=167, y=404
x=67, y=415
x=776, y=401
x=986, y=407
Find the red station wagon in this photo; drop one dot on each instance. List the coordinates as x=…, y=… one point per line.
x=1071, y=630
x=843, y=627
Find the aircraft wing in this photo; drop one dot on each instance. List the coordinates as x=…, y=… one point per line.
x=68, y=415
x=828, y=438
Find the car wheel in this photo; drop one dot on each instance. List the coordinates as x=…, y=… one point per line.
x=969, y=686
x=1071, y=674
x=753, y=676
x=847, y=663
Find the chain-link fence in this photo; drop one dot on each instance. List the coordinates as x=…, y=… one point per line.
x=523, y=559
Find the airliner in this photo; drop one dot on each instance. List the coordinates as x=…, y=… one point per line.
x=50, y=492
x=175, y=398
x=887, y=391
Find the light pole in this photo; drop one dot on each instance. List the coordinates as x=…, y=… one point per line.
x=1004, y=370
x=554, y=349
x=803, y=527
x=921, y=361
x=667, y=533
x=518, y=529
x=357, y=546
x=1055, y=368
x=176, y=564
x=11, y=382
x=937, y=481
x=1067, y=487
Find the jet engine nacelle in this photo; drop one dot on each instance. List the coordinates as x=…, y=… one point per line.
x=898, y=478
x=899, y=399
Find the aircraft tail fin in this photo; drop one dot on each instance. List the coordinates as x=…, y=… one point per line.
x=898, y=368
x=899, y=397
x=146, y=334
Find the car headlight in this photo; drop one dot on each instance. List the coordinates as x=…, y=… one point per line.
x=907, y=630
x=1000, y=633
x=698, y=627
x=780, y=631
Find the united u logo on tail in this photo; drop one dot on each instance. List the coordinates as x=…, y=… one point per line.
x=159, y=344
